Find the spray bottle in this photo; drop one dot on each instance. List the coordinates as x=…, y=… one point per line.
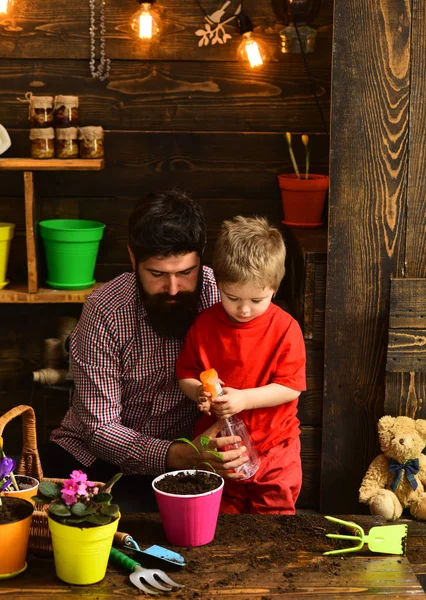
x=233, y=425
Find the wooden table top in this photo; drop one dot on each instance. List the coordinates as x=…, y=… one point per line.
x=251, y=557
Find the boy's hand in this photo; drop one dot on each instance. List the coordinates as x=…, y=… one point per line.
x=231, y=403
x=204, y=400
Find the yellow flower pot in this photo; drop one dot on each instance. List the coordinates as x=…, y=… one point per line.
x=6, y=235
x=81, y=553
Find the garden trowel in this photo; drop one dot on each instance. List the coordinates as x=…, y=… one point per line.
x=154, y=556
x=386, y=539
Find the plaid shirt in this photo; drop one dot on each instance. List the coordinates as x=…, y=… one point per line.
x=127, y=405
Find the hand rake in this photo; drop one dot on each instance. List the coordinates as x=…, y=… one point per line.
x=154, y=579
x=387, y=539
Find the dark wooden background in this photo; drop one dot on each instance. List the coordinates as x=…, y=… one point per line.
x=174, y=115
x=377, y=233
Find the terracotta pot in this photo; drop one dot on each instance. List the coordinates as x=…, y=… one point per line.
x=303, y=199
x=14, y=539
x=28, y=492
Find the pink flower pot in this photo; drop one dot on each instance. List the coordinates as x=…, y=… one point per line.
x=189, y=520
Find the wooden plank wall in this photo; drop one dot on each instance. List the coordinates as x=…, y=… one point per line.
x=405, y=390
x=376, y=228
x=174, y=115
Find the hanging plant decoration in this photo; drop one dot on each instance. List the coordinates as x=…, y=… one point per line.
x=214, y=28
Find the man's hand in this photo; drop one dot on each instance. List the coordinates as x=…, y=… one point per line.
x=231, y=403
x=183, y=456
x=231, y=458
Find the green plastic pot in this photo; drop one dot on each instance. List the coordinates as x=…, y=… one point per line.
x=71, y=247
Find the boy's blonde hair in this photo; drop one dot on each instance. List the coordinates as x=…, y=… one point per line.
x=249, y=250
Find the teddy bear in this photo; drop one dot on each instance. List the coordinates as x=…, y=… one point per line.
x=396, y=479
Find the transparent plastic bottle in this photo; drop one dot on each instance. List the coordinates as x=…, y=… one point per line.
x=233, y=426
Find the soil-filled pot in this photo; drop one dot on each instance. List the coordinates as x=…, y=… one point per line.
x=81, y=553
x=189, y=503
x=303, y=199
x=28, y=487
x=15, y=521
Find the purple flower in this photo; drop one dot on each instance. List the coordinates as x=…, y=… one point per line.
x=6, y=467
x=5, y=484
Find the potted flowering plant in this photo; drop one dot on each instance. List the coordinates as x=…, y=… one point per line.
x=303, y=194
x=82, y=521
x=15, y=521
x=189, y=500
x=15, y=486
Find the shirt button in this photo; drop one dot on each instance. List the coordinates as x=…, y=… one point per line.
x=160, y=396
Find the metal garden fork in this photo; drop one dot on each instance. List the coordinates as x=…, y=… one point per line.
x=156, y=578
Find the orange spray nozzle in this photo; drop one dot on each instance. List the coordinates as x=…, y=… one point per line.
x=210, y=381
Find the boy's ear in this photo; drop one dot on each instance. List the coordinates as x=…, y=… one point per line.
x=132, y=257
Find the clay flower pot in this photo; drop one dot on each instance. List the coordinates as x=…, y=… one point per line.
x=303, y=199
x=14, y=535
x=189, y=520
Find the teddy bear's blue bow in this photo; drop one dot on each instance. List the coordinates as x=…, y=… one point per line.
x=411, y=467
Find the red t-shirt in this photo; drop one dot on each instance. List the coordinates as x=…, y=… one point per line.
x=269, y=349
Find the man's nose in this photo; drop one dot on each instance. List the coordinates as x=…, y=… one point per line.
x=172, y=286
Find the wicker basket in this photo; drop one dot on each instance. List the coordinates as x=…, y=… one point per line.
x=29, y=464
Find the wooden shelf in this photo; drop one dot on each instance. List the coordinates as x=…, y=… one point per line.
x=19, y=294
x=51, y=164
x=31, y=293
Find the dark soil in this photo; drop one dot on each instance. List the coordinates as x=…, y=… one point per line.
x=188, y=485
x=24, y=482
x=14, y=509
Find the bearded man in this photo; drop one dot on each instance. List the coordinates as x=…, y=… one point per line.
x=127, y=406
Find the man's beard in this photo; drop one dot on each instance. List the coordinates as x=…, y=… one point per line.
x=171, y=319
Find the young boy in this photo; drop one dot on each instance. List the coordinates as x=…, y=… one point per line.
x=258, y=351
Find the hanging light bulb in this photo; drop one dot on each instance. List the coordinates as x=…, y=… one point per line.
x=250, y=48
x=5, y=6
x=146, y=22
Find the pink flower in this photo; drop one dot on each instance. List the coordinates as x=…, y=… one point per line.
x=82, y=489
x=69, y=499
x=79, y=476
x=69, y=489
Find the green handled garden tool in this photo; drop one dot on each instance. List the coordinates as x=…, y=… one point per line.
x=154, y=580
x=387, y=539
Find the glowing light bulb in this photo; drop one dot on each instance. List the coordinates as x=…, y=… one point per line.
x=146, y=22
x=5, y=6
x=250, y=49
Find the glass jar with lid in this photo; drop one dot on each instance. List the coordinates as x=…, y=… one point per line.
x=66, y=111
x=42, y=142
x=91, y=142
x=40, y=110
x=66, y=143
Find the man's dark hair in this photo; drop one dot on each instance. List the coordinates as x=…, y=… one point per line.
x=166, y=223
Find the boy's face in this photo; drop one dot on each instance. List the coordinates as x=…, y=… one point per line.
x=243, y=303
